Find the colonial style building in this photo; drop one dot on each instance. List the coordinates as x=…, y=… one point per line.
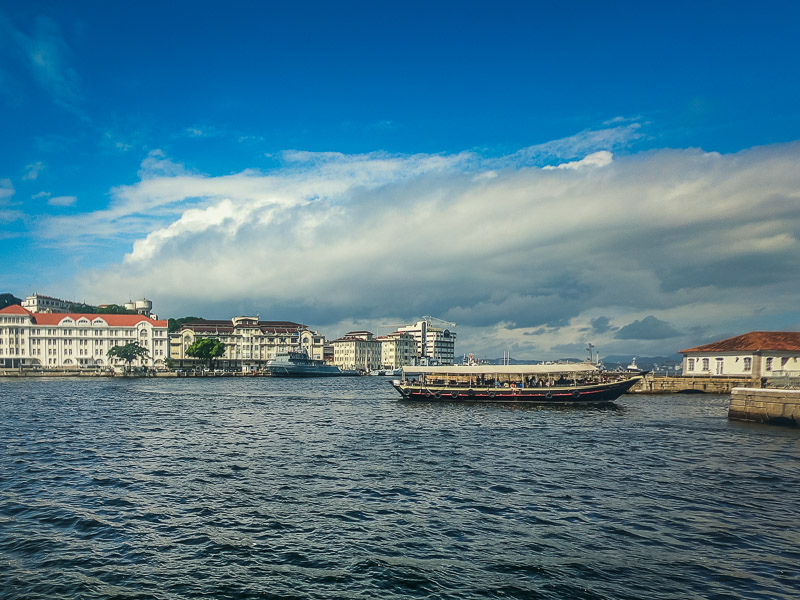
x=435, y=345
x=66, y=340
x=397, y=350
x=249, y=342
x=39, y=303
x=357, y=350
x=755, y=354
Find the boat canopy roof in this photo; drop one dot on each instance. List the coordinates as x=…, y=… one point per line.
x=502, y=369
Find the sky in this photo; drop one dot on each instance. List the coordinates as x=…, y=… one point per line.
x=544, y=175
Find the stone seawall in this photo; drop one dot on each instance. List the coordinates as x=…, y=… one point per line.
x=776, y=407
x=691, y=385
x=77, y=373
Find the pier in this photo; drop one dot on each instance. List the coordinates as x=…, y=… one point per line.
x=663, y=384
x=772, y=406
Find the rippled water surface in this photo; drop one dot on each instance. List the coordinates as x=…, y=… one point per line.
x=260, y=488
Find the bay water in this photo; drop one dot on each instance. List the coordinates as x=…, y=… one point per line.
x=335, y=488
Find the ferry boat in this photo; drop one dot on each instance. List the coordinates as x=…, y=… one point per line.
x=569, y=383
x=298, y=364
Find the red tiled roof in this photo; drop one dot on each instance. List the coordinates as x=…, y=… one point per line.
x=222, y=326
x=56, y=318
x=15, y=309
x=112, y=320
x=781, y=341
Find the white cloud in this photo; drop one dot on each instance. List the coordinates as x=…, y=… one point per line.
x=6, y=189
x=46, y=55
x=32, y=171
x=524, y=259
x=578, y=145
x=596, y=159
x=6, y=215
x=62, y=200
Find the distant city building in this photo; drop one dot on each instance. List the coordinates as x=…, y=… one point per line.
x=357, y=350
x=398, y=349
x=754, y=354
x=249, y=342
x=67, y=340
x=434, y=344
x=39, y=303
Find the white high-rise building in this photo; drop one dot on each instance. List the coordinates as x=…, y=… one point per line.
x=435, y=345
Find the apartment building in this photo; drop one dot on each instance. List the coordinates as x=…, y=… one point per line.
x=357, y=350
x=398, y=349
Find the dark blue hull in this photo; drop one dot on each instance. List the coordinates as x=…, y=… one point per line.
x=588, y=394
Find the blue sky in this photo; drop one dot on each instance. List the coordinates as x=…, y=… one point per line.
x=545, y=176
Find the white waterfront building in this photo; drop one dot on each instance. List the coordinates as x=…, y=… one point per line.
x=249, y=342
x=67, y=340
x=357, y=350
x=397, y=350
x=754, y=354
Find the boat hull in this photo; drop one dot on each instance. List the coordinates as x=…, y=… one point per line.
x=589, y=394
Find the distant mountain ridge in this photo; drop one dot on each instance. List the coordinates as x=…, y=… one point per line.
x=646, y=363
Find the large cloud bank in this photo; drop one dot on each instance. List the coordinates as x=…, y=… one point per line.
x=639, y=253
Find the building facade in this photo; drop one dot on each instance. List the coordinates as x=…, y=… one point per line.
x=67, y=340
x=398, y=350
x=249, y=342
x=435, y=346
x=39, y=303
x=755, y=354
x=357, y=350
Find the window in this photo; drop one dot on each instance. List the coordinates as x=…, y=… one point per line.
x=769, y=364
x=748, y=364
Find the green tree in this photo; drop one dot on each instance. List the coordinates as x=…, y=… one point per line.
x=206, y=350
x=113, y=309
x=175, y=324
x=129, y=352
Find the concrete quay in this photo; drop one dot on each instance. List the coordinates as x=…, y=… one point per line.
x=654, y=384
x=78, y=373
x=771, y=406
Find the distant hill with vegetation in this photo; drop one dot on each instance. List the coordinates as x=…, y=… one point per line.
x=9, y=300
x=108, y=309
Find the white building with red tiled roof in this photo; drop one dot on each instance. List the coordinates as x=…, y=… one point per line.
x=755, y=354
x=67, y=340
